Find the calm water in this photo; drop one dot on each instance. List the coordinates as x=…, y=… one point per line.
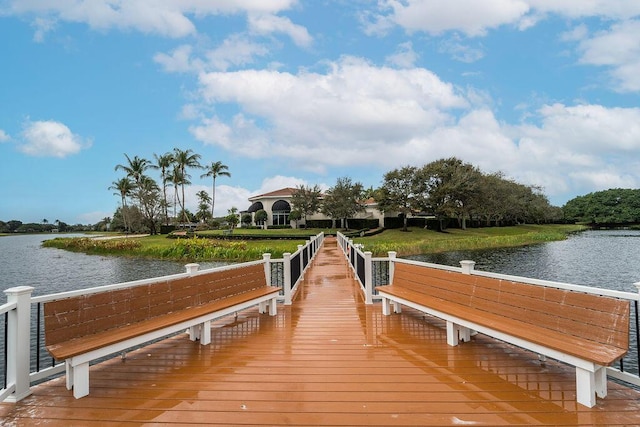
x=602, y=258
x=23, y=261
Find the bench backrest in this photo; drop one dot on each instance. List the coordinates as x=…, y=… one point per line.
x=598, y=318
x=78, y=316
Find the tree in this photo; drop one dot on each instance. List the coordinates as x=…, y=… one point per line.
x=163, y=164
x=295, y=216
x=214, y=170
x=124, y=187
x=185, y=159
x=400, y=192
x=176, y=178
x=149, y=202
x=306, y=200
x=232, y=217
x=261, y=216
x=204, y=200
x=135, y=168
x=343, y=200
x=449, y=188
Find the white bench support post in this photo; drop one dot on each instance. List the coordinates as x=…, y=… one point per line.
x=590, y=384
x=457, y=333
x=78, y=378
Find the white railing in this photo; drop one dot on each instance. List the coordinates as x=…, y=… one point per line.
x=24, y=331
x=292, y=266
x=363, y=264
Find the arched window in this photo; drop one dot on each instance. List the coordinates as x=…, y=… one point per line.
x=281, y=210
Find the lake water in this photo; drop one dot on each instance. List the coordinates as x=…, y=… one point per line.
x=23, y=261
x=602, y=258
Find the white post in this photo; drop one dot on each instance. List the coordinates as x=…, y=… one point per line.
x=19, y=342
x=368, y=277
x=392, y=258
x=266, y=257
x=287, y=278
x=192, y=268
x=467, y=266
x=301, y=259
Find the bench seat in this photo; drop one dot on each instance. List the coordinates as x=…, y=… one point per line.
x=585, y=330
x=85, y=344
x=581, y=348
x=83, y=328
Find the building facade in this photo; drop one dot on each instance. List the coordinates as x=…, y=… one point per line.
x=277, y=204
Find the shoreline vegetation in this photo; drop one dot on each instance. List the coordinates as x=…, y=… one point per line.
x=212, y=246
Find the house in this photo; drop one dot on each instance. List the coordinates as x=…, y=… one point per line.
x=278, y=206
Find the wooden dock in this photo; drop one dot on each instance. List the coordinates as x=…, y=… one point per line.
x=329, y=359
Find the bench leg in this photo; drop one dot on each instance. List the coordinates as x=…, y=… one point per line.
x=205, y=333
x=273, y=307
x=386, y=306
x=589, y=384
x=452, y=334
x=457, y=333
x=69, y=374
x=397, y=307
x=194, y=332
x=80, y=380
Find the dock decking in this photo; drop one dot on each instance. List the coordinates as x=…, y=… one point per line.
x=331, y=360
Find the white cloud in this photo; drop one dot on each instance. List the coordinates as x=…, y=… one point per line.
x=405, y=56
x=3, y=136
x=618, y=48
x=178, y=60
x=344, y=116
x=268, y=24
x=50, y=139
x=165, y=18
x=235, y=51
x=474, y=18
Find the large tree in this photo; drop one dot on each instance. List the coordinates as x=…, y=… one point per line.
x=450, y=186
x=214, y=170
x=401, y=192
x=343, y=200
x=185, y=159
x=307, y=200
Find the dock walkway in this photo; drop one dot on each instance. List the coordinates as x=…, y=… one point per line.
x=329, y=359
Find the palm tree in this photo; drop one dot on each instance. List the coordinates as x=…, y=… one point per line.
x=214, y=170
x=124, y=187
x=184, y=159
x=135, y=168
x=163, y=163
x=175, y=178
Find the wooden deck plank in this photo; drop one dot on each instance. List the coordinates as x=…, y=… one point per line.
x=326, y=360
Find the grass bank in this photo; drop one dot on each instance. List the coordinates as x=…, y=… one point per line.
x=420, y=241
x=415, y=241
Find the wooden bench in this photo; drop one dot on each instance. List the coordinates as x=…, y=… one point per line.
x=585, y=330
x=83, y=328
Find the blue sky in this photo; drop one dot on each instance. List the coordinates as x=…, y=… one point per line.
x=289, y=92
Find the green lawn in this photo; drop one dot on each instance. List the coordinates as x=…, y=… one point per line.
x=414, y=241
x=421, y=241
